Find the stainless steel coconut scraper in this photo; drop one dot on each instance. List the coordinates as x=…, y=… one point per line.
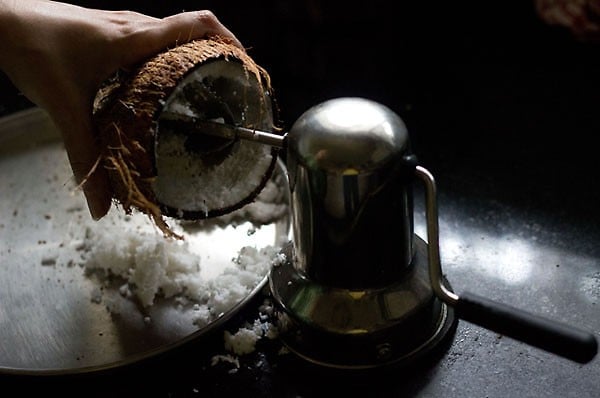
x=359, y=289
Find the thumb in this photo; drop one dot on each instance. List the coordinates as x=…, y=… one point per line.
x=84, y=155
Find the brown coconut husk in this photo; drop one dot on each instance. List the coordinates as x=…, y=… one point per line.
x=126, y=112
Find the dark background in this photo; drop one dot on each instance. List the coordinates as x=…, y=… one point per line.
x=473, y=81
x=501, y=107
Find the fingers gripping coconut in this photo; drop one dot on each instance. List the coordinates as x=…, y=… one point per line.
x=168, y=170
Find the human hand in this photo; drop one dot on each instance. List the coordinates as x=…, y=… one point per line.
x=580, y=17
x=59, y=54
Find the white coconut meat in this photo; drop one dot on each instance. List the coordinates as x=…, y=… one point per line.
x=199, y=175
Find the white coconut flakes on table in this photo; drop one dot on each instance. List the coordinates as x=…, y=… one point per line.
x=244, y=340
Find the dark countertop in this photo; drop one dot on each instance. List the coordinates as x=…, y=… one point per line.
x=543, y=262
x=505, y=119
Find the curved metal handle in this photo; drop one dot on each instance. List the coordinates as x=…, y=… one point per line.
x=433, y=245
x=551, y=336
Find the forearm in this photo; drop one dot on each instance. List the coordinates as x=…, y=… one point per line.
x=58, y=55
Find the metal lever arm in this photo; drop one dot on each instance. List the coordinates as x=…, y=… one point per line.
x=222, y=130
x=551, y=336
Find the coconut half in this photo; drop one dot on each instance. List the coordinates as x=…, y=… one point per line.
x=165, y=168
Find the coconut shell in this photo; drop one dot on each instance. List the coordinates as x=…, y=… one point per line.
x=127, y=112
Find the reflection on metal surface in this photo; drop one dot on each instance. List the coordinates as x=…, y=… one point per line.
x=343, y=328
x=356, y=291
x=340, y=310
x=344, y=160
x=51, y=318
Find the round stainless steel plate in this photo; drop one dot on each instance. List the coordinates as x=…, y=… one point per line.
x=55, y=318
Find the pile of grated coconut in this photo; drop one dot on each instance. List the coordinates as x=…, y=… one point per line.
x=217, y=265
x=151, y=268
